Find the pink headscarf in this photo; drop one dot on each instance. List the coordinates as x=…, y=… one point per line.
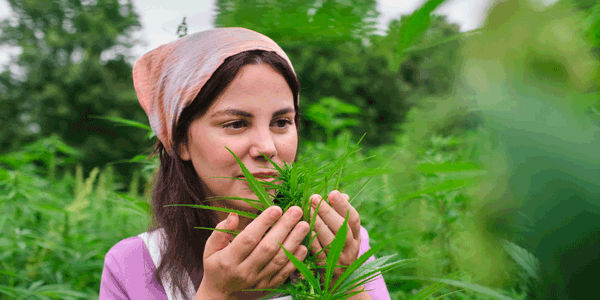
x=168, y=78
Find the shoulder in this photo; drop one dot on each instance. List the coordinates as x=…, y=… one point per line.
x=122, y=250
x=129, y=255
x=128, y=270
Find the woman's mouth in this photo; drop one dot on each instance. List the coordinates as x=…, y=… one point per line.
x=265, y=176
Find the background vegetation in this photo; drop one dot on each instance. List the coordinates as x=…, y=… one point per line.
x=488, y=136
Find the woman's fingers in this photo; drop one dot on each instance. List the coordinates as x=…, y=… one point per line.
x=246, y=241
x=316, y=250
x=342, y=207
x=291, y=244
x=219, y=240
x=268, y=253
x=328, y=215
x=289, y=268
x=324, y=234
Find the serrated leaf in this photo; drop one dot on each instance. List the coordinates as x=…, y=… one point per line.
x=308, y=275
x=369, y=271
x=308, y=240
x=335, y=250
x=416, y=24
x=359, y=262
x=234, y=232
x=461, y=284
x=126, y=122
x=523, y=258
x=251, y=202
x=433, y=288
x=239, y=212
x=256, y=187
x=465, y=285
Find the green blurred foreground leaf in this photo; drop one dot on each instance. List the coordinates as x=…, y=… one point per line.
x=413, y=28
x=461, y=284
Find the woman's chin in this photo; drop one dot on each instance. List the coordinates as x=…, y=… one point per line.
x=243, y=206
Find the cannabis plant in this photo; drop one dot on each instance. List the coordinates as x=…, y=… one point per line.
x=293, y=185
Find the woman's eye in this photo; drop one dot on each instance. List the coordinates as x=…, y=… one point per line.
x=282, y=123
x=236, y=124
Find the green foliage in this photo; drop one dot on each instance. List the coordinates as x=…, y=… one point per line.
x=533, y=78
x=327, y=114
x=413, y=28
x=523, y=258
x=292, y=21
x=55, y=231
x=65, y=230
x=483, y=160
x=73, y=65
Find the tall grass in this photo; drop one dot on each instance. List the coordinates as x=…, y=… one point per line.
x=55, y=230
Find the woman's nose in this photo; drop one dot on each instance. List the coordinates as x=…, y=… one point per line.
x=263, y=142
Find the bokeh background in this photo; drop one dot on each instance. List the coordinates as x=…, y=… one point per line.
x=480, y=117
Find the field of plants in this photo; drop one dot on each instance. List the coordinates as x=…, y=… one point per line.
x=478, y=167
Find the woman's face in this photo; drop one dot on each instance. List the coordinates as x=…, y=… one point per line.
x=253, y=115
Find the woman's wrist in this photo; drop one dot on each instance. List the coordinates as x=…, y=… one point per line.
x=205, y=294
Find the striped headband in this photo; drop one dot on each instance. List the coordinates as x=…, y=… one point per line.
x=168, y=78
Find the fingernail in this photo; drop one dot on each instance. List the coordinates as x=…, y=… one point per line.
x=228, y=220
x=296, y=212
x=301, y=250
x=336, y=197
x=304, y=228
x=274, y=213
x=315, y=201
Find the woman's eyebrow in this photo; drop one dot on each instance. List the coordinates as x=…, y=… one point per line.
x=238, y=112
x=283, y=111
x=233, y=112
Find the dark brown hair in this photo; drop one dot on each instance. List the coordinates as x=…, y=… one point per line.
x=178, y=183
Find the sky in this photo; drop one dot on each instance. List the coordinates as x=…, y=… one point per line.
x=160, y=18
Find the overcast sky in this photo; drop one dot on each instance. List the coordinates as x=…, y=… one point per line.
x=160, y=18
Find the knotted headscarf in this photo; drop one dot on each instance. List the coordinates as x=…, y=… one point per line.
x=168, y=78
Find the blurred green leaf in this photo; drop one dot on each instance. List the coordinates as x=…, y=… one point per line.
x=465, y=285
x=447, y=167
x=526, y=260
x=444, y=186
x=125, y=122
x=434, y=287
x=413, y=28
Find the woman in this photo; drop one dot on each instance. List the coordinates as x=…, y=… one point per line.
x=234, y=88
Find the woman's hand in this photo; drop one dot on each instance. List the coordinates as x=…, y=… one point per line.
x=329, y=221
x=252, y=261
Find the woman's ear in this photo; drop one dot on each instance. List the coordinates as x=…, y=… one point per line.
x=184, y=152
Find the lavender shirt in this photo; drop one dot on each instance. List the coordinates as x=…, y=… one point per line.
x=129, y=268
